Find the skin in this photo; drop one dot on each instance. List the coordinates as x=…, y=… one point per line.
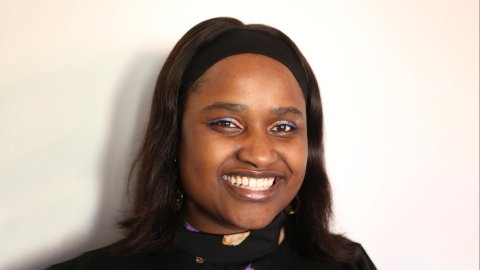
x=245, y=116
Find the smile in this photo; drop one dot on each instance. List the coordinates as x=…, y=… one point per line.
x=250, y=183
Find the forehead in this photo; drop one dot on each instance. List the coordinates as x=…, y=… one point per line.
x=248, y=78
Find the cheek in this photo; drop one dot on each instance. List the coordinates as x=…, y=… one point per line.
x=201, y=157
x=297, y=154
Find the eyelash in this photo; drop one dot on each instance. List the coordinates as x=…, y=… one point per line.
x=286, y=124
x=225, y=122
x=230, y=125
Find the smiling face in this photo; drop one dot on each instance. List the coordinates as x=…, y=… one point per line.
x=243, y=146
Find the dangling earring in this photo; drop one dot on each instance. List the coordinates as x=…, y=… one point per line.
x=179, y=200
x=291, y=210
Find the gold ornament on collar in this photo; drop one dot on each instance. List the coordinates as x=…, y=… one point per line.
x=235, y=239
x=281, y=236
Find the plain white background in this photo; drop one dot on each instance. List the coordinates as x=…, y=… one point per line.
x=399, y=82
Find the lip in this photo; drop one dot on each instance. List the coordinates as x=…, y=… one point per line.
x=254, y=195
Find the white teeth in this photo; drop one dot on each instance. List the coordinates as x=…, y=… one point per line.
x=269, y=181
x=252, y=183
x=244, y=181
x=260, y=182
x=249, y=183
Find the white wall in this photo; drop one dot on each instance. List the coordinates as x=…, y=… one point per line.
x=399, y=81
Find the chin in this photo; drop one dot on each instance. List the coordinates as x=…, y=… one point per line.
x=253, y=222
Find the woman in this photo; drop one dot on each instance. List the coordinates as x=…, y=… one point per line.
x=231, y=172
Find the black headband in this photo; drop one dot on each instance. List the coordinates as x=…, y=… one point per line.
x=240, y=41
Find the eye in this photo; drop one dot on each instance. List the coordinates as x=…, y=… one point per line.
x=283, y=128
x=225, y=125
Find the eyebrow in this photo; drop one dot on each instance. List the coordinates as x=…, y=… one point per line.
x=235, y=107
x=288, y=110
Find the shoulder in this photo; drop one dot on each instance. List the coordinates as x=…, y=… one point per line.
x=363, y=261
x=288, y=258
x=94, y=259
x=81, y=262
x=103, y=258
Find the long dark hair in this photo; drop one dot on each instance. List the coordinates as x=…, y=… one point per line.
x=153, y=219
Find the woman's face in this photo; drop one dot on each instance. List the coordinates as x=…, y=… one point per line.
x=243, y=146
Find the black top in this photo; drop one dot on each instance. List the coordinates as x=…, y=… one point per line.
x=267, y=248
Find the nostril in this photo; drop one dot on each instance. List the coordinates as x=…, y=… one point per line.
x=256, y=153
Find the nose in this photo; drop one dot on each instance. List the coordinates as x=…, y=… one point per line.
x=257, y=149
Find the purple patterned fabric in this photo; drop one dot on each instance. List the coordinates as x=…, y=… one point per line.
x=190, y=227
x=249, y=267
